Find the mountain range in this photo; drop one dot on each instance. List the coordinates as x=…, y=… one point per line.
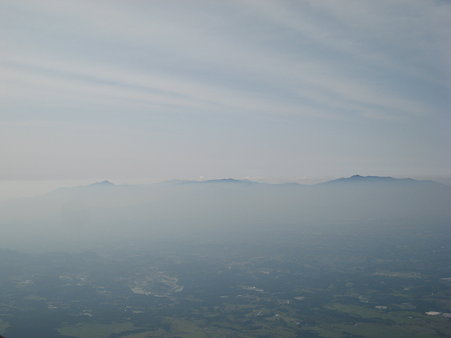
x=355, y=179
x=217, y=209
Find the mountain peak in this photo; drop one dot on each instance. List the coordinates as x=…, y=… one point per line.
x=104, y=183
x=227, y=180
x=369, y=179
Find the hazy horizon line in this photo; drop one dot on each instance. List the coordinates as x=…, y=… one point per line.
x=17, y=188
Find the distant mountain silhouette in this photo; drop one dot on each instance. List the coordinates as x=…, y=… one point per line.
x=101, y=184
x=92, y=186
x=355, y=180
x=230, y=180
x=343, y=180
x=369, y=179
x=107, y=214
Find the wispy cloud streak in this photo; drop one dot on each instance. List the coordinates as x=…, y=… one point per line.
x=308, y=63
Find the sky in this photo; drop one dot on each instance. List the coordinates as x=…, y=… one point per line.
x=145, y=91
